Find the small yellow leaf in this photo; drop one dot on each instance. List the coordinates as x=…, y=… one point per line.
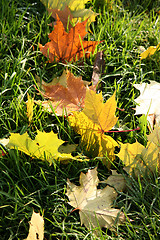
x=30, y=104
x=36, y=229
x=150, y=51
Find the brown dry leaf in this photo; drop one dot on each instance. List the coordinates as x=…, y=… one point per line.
x=95, y=205
x=65, y=47
x=70, y=98
x=36, y=229
x=98, y=69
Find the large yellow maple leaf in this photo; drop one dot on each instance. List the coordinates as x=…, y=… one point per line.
x=96, y=119
x=94, y=205
x=45, y=146
x=139, y=158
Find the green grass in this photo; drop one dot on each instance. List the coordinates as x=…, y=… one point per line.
x=28, y=184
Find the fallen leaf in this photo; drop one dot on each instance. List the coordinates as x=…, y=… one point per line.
x=154, y=137
x=94, y=205
x=45, y=146
x=67, y=97
x=148, y=102
x=150, y=51
x=101, y=114
x=137, y=157
x=30, y=104
x=96, y=118
x=62, y=80
x=76, y=10
x=64, y=15
x=4, y=141
x=98, y=69
x=68, y=46
x=116, y=180
x=36, y=229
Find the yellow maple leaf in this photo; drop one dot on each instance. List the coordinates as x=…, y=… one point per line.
x=150, y=51
x=95, y=205
x=101, y=114
x=45, y=146
x=96, y=118
x=137, y=157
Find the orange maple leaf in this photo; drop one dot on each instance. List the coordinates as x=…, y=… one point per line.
x=70, y=96
x=68, y=46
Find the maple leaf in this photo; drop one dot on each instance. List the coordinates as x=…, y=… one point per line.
x=116, y=180
x=94, y=205
x=68, y=46
x=148, y=102
x=95, y=119
x=68, y=93
x=102, y=114
x=71, y=9
x=150, y=51
x=64, y=15
x=154, y=137
x=45, y=146
x=36, y=229
x=137, y=157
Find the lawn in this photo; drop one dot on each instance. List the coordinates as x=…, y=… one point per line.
x=125, y=28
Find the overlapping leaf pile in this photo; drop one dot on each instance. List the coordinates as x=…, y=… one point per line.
x=89, y=117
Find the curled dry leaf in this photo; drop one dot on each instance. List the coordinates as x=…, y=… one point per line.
x=94, y=205
x=98, y=69
x=65, y=47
